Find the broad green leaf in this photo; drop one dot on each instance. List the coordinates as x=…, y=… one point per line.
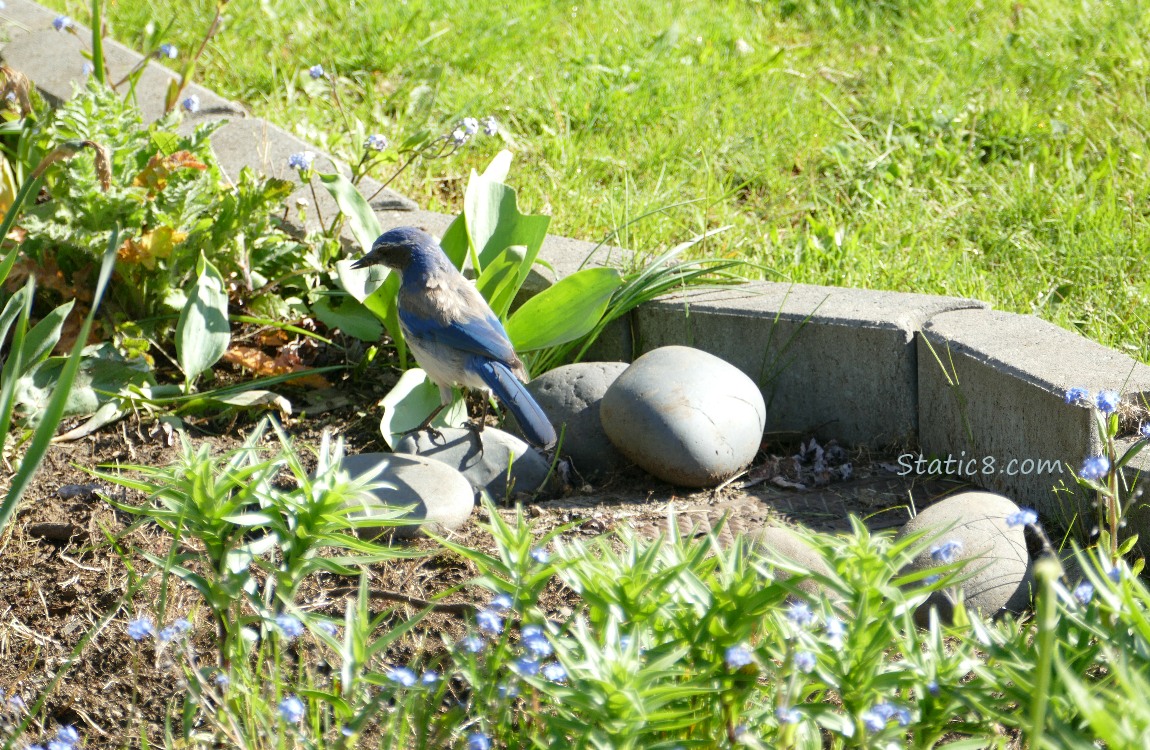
x=499, y=281
x=494, y=222
x=349, y=315
x=44, y=335
x=499, y=167
x=376, y=288
x=360, y=218
x=203, y=333
x=166, y=143
x=454, y=241
x=565, y=311
x=18, y=310
x=410, y=401
x=103, y=374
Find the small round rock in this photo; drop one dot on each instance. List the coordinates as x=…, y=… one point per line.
x=570, y=396
x=973, y=526
x=440, y=498
x=483, y=458
x=685, y=416
x=778, y=543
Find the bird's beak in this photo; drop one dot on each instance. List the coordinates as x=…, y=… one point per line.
x=366, y=261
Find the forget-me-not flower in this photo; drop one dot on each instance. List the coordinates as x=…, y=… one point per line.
x=1084, y=592
x=1107, y=402
x=1094, y=468
x=402, y=676
x=800, y=614
x=140, y=628
x=787, y=715
x=289, y=626
x=946, y=552
x=169, y=51
x=377, y=142
x=315, y=71
x=62, y=23
x=478, y=741
x=1078, y=396
x=490, y=126
x=291, y=709
x=804, y=661
x=489, y=621
x=738, y=656
x=191, y=103
x=1024, y=517
x=554, y=671
x=301, y=160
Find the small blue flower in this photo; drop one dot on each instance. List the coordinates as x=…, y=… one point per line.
x=507, y=690
x=489, y=621
x=169, y=51
x=191, y=103
x=402, y=676
x=835, y=632
x=946, y=552
x=1024, y=517
x=470, y=125
x=1094, y=468
x=62, y=23
x=328, y=627
x=787, y=715
x=526, y=667
x=540, y=555
x=478, y=741
x=932, y=579
x=1078, y=396
x=315, y=71
x=1084, y=592
x=16, y=703
x=429, y=678
x=377, y=142
x=1107, y=402
x=554, y=671
x=538, y=645
x=490, y=126
x=459, y=136
x=805, y=661
x=501, y=603
x=301, y=160
x=472, y=644
x=291, y=709
x=141, y=628
x=873, y=720
x=289, y=626
x=58, y=745
x=1114, y=574
x=531, y=630
x=1144, y=429
x=168, y=634
x=738, y=656
x=800, y=614
x=223, y=680
x=932, y=687
x=68, y=735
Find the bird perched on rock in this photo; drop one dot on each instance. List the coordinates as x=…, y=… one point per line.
x=452, y=331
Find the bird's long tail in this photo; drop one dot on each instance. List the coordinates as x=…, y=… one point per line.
x=515, y=396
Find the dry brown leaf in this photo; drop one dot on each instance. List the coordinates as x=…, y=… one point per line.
x=155, y=175
x=263, y=365
x=157, y=243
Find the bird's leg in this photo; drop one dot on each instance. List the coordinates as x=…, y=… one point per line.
x=426, y=424
x=478, y=425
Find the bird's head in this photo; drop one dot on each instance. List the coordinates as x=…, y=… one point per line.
x=400, y=247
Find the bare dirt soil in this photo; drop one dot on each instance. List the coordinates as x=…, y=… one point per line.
x=68, y=557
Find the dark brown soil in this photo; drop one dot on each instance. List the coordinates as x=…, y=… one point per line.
x=68, y=559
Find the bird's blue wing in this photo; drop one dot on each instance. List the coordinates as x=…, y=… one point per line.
x=484, y=336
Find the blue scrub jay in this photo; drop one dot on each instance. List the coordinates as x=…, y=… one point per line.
x=453, y=333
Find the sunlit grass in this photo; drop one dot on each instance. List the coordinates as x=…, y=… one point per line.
x=993, y=150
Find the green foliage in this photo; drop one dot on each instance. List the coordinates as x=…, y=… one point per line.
x=168, y=194
x=203, y=332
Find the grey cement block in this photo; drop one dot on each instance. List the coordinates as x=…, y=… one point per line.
x=21, y=17
x=993, y=385
x=840, y=363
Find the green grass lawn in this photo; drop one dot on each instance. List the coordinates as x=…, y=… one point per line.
x=988, y=149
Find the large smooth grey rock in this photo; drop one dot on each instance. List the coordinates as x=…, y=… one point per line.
x=483, y=458
x=997, y=556
x=441, y=498
x=570, y=396
x=685, y=416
